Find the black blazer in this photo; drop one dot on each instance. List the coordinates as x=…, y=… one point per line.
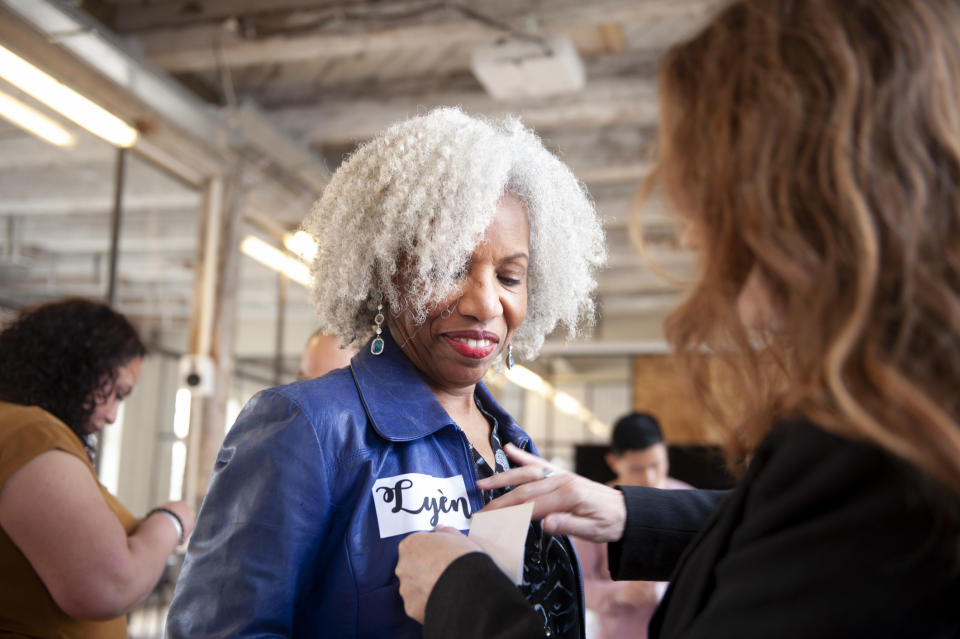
x=823, y=537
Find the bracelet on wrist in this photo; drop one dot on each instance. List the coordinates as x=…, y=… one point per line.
x=174, y=519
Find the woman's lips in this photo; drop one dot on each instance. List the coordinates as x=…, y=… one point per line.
x=473, y=344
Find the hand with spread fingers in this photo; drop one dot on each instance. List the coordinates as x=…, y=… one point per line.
x=568, y=503
x=422, y=559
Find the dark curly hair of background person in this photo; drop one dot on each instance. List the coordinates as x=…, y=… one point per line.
x=63, y=356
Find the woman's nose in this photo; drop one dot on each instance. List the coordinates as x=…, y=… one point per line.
x=111, y=414
x=480, y=298
x=652, y=477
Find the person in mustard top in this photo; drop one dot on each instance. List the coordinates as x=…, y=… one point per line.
x=73, y=560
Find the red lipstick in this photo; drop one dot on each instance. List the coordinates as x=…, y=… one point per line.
x=472, y=344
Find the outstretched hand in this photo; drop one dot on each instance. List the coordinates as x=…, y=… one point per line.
x=568, y=503
x=423, y=558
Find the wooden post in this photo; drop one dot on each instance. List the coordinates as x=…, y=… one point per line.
x=115, y=216
x=280, y=329
x=213, y=326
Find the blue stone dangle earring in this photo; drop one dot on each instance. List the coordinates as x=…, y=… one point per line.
x=376, y=346
x=509, y=355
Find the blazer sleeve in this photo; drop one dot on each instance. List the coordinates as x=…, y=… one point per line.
x=258, y=531
x=827, y=538
x=499, y=611
x=473, y=599
x=660, y=524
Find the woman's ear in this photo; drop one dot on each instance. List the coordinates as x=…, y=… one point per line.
x=612, y=460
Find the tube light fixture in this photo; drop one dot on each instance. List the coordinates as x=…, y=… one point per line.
x=181, y=413
x=65, y=100
x=253, y=246
x=178, y=464
x=565, y=403
x=525, y=378
x=598, y=427
x=31, y=120
x=302, y=244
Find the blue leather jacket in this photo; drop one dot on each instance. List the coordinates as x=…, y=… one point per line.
x=314, y=488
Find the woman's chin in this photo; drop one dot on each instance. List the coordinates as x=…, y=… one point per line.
x=468, y=375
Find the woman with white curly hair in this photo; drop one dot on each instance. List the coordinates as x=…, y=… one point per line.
x=447, y=244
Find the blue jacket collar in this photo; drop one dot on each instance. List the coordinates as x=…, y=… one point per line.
x=399, y=403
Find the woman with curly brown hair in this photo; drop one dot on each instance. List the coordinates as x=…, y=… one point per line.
x=73, y=560
x=812, y=148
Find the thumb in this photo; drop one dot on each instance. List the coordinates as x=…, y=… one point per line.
x=447, y=530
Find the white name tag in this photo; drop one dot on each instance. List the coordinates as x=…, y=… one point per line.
x=413, y=501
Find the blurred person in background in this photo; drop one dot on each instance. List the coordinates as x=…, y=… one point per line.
x=73, y=560
x=638, y=453
x=622, y=609
x=812, y=149
x=321, y=355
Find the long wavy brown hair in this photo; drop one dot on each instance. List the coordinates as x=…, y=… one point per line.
x=818, y=143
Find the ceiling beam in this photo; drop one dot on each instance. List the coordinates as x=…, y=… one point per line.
x=41, y=205
x=265, y=136
x=602, y=103
x=620, y=305
x=135, y=16
x=58, y=57
x=362, y=78
x=174, y=123
x=22, y=150
x=597, y=348
x=607, y=154
x=214, y=44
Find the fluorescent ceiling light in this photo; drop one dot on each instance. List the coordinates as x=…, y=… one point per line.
x=598, y=428
x=274, y=258
x=525, y=378
x=178, y=464
x=31, y=120
x=566, y=403
x=65, y=100
x=181, y=413
x=302, y=244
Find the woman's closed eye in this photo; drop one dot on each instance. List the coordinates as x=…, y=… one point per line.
x=511, y=279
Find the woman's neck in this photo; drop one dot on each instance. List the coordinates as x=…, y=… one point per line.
x=459, y=403
x=462, y=409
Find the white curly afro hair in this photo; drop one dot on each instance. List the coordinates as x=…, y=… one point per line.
x=419, y=198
